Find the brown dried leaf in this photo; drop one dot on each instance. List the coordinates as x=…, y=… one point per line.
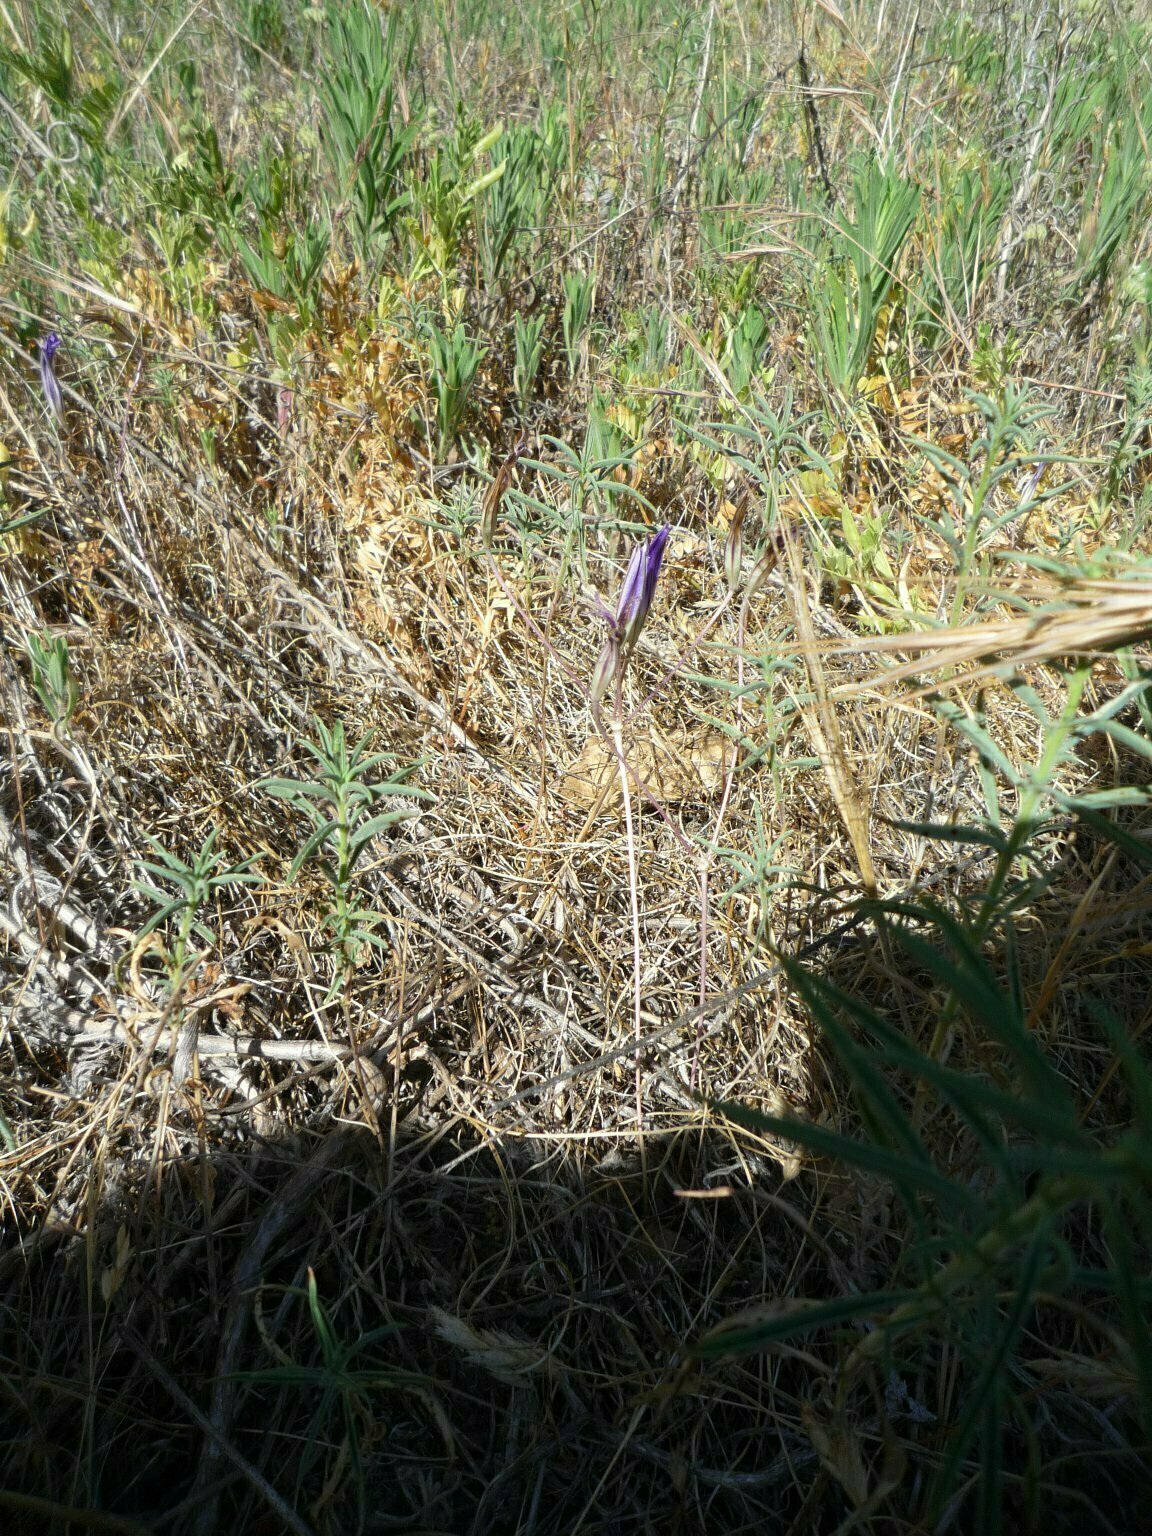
x=838, y=1446
x=682, y=764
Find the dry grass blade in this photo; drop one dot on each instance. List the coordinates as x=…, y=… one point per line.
x=1084, y=618
x=824, y=727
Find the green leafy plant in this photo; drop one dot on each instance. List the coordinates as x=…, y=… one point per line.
x=995, y=360
x=656, y=342
x=349, y=1382
x=1016, y=1206
x=959, y=240
x=268, y=28
x=341, y=804
x=1002, y=456
x=589, y=473
x=513, y=207
x=454, y=362
x=1130, y=449
x=728, y=190
x=443, y=197
x=369, y=138
x=744, y=349
x=762, y=877
x=52, y=677
x=196, y=882
x=862, y=558
x=1116, y=200
x=579, y=288
x=858, y=279
x=280, y=254
x=528, y=331
x=84, y=105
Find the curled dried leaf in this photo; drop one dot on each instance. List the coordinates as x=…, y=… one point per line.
x=678, y=766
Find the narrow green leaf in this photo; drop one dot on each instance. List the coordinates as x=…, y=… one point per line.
x=321, y=835
x=987, y=837
x=902, y=1172
x=794, y=1319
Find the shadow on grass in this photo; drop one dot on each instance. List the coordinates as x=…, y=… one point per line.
x=491, y=1343
x=477, y=1335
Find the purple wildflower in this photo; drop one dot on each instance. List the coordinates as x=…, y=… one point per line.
x=639, y=587
x=631, y=610
x=48, y=380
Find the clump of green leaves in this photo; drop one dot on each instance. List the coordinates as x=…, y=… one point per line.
x=1002, y=457
x=995, y=361
x=455, y=361
x=52, y=678
x=745, y=348
x=369, y=138
x=196, y=882
x=444, y=197
x=514, y=208
x=345, y=1383
x=866, y=247
x=1021, y=1207
x=958, y=241
x=999, y=1178
x=529, y=334
x=342, y=805
x=579, y=288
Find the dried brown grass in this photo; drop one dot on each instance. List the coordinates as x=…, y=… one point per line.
x=452, y=1147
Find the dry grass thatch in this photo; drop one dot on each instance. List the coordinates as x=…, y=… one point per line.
x=399, y=1195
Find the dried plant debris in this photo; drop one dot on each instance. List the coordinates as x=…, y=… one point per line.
x=677, y=766
x=574, y=803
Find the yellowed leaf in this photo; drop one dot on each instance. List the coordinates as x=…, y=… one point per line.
x=838, y=1446
x=112, y=1276
x=683, y=764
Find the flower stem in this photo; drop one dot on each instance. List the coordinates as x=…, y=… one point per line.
x=634, y=895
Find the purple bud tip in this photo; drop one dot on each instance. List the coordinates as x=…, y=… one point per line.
x=639, y=587
x=632, y=587
x=636, y=594
x=48, y=381
x=653, y=559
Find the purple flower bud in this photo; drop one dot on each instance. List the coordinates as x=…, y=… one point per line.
x=639, y=587
x=48, y=380
x=632, y=585
x=625, y=624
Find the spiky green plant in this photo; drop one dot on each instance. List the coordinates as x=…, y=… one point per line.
x=196, y=882
x=454, y=362
x=341, y=804
x=858, y=278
